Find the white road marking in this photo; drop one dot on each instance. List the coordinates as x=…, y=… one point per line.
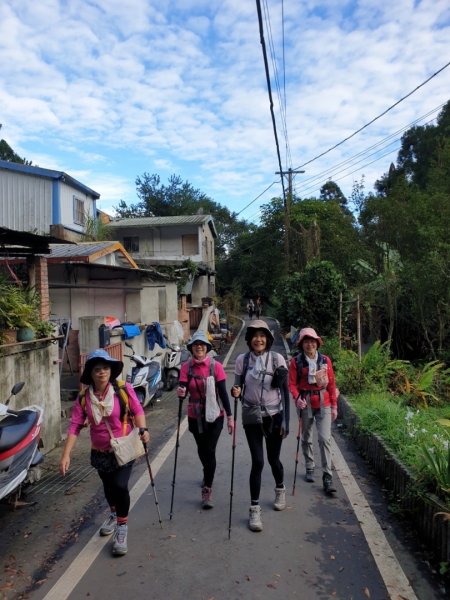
x=85, y=559
x=393, y=576
x=390, y=570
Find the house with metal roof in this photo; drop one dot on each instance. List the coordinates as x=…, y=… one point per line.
x=44, y=201
x=171, y=241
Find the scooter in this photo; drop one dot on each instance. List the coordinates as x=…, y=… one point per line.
x=145, y=377
x=173, y=359
x=19, y=446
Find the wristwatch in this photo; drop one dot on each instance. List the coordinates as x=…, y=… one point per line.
x=142, y=430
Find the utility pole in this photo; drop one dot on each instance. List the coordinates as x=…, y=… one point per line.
x=287, y=211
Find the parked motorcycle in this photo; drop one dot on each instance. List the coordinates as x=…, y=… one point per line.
x=19, y=446
x=173, y=359
x=145, y=376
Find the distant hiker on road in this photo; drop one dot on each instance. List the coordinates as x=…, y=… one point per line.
x=261, y=381
x=204, y=378
x=100, y=402
x=312, y=385
x=250, y=308
x=258, y=307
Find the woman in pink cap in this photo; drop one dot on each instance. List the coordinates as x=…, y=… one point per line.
x=313, y=387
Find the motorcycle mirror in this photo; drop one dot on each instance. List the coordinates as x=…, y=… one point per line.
x=15, y=390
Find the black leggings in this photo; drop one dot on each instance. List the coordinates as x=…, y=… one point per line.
x=206, y=445
x=115, y=484
x=271, y=432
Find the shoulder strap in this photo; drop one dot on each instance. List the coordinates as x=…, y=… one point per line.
x=274, y=360
x=121, y=390
x=244, y=368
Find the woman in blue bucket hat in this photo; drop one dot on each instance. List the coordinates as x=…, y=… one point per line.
x=194, y=381
x=100, y=401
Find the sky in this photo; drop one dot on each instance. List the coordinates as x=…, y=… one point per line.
x=108, y=90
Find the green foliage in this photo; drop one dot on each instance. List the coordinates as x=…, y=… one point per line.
x=95, y=230
x=19, y=306
x=416, y=437
x=420, y=386
x=311, y=298
x=7, y=153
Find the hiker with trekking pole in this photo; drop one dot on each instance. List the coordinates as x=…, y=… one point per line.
x=114, y=414
x=261, y=383
x=204, y=380
x=313, y=387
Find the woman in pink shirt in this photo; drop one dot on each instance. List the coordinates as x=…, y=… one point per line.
x=101, y=401
x=193, y=377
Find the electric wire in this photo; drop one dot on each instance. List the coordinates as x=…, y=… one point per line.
x=269, y=89
x=314, y=181
x=376, y=118
x=281, y=97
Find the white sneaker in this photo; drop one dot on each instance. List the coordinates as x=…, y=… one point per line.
x=280, y=498
x=120, y=540
x=254, y=521
x=109, y=526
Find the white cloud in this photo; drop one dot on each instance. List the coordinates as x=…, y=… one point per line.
x=179, y=85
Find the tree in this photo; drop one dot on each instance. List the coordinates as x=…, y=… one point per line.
x=311, y=298
x=7, y=153
x=331, y=192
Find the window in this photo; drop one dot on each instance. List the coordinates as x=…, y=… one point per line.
x=190, y=244
x=131, y=243
x=79, y=216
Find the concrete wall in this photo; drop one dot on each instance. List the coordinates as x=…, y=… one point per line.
x=36, y=363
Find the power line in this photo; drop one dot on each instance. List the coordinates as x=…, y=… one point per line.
x=313, y=181
x=376, y=118
x=269, y=89
x=255, y=199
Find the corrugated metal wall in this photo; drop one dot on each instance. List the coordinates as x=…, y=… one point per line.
x=25, y=202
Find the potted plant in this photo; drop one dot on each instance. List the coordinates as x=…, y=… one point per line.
x=19, y=309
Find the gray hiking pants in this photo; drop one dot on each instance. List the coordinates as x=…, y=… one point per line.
x=322, y=417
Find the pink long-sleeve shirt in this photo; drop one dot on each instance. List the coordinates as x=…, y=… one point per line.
x=100, y=438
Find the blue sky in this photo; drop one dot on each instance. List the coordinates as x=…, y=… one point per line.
x=107, y=90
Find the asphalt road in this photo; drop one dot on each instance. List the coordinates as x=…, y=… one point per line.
x=348, y=547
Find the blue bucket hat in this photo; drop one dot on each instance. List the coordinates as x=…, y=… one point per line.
x=199, y=336
x=95, y=357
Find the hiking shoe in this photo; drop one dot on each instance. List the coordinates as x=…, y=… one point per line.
x=120, y=540
x=280, y=498
x=207, y=498
x=328, y=484
x=309, y=477
x=254, y=521
x=109, y=526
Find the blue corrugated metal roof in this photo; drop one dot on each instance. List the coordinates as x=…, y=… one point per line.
x=49, y=174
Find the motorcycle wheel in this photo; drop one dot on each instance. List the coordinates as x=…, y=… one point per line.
x=141, y=397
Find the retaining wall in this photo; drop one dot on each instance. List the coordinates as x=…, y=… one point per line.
x=427, y=512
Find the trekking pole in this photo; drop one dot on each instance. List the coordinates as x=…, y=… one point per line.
x=299, y=435
x=176, y=457
x=232, y=466
x=152, y=481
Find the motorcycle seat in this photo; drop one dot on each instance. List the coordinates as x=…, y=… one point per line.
x=14, y=429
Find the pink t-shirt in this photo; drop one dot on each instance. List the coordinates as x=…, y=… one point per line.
x=100, y=438
x=197, y=387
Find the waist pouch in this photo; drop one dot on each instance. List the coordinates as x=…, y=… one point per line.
x=251, y=414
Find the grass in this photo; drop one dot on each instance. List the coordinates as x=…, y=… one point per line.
x=407, y=432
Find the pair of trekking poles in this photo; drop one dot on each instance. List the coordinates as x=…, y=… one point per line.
x=177, y=445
